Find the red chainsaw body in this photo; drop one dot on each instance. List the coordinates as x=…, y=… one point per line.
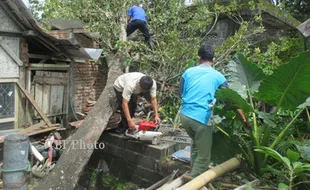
x=147, y=126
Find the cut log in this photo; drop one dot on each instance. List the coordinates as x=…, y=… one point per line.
x=71, y=163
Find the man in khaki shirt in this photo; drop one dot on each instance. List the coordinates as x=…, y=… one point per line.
x=127, y=87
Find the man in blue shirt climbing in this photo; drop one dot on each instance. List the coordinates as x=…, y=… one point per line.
x=137, y=20
x=197, y=89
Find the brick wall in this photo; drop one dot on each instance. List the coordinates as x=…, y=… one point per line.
x=89, y=81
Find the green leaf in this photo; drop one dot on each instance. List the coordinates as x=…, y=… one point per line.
x=243, y=76
x=292, y=155
x=229, y=95
x=289, y=85
x=305, y=104
x=270, y=152
x=282, y=186
x=301, y=167
x=266, y=137
x=273, y=170
x=305, y=150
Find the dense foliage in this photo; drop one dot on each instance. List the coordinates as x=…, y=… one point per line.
x=249, y=88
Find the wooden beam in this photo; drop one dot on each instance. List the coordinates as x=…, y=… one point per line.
x=34, y=128
x=43, y=60
x=45, y=65
x=37, y=132
x=31, y=128
x=9, y=33
x=51, y=115
x=9, y=80
x=38, y=56
x=29, y=33
x=9, y=130
x=6, y=120
x=53, y=67
x=35, y=105
x=42, y=131
x=55, y=58
x=51, y=80
x=10, y=52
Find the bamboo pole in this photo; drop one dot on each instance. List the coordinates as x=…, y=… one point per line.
x=211, y=174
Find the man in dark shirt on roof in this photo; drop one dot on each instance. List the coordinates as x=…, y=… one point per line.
x=137, y=20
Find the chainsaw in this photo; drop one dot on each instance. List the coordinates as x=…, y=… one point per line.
x=145, y=131
x=148, y=131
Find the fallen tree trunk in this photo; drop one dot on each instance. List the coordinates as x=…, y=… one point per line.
x=75, y=156
x=211, y=174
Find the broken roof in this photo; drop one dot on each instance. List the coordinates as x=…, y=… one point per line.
x=66, y=48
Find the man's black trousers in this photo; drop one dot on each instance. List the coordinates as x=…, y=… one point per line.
x=132, y=104
x=142, y=26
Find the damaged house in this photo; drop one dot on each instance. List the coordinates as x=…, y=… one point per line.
x=45, y=78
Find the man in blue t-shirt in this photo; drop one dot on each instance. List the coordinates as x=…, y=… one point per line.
x=137, y=20
x=197, y=89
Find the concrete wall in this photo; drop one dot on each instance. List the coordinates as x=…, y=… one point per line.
x=7, y=24
x=137, y=162
x=8, y=67
x=223, y=29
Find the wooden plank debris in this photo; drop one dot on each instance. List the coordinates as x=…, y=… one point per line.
x=33, y=127
x=35, y=105
x=30, y=131
x=42, y=131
